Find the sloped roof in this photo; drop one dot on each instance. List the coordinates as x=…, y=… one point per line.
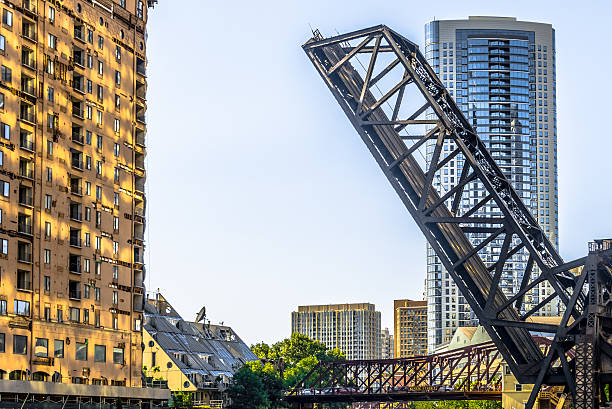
x=195, y=347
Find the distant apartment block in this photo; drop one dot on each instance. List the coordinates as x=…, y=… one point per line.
x=353, y=328
x=386, y=344
x=410, y=328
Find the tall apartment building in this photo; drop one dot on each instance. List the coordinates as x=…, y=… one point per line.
x=386, y=344
x=501, y=73
x=410, y=328
x=353, y=328
x=72, y=202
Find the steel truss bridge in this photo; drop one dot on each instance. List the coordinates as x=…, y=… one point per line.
x=398, y=106
x=472, y=372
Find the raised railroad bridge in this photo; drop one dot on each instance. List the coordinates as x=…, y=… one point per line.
x=400, y=109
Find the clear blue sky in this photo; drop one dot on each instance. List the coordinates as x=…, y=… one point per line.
x=262, y=197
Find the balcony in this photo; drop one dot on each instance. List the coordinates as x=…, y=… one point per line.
x=139, y=160
x=78, y=84
x=26, y=113
x=141, y=90
x=27, y=86
x=25, y=195
x=140, y=67
x=77, y=160
x=28, y=30
x=24, y=254
x=141, y=114
x=74, y=264
x=26, y=169
x=23, y=281
x=78, y=57
x=26, y=142
x=29, y=5
x=79, y=33
x=75, y=238
x=75, y=212
x=74, y=294
x=76, y=188
x=77, y=110
x=27, y=58
x=77, y=134
x=139, y=184
x=140, y=138
x=24, y=224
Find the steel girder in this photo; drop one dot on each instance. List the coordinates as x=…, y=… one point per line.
x=397, y=104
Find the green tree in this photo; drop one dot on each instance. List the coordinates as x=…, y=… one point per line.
x=247, y=390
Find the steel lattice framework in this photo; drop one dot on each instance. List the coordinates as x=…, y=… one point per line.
x=398, y=106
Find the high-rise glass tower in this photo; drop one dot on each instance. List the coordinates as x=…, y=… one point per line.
x=501, y=73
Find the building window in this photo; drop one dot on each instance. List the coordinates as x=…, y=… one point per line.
x=115, y=297
x=50, y=94
x=100, y=92
x=81, y=351
x=88, y=112
x=98, y=167
x=47, y=256
x=75, y=314
x=47, y=283
x=5, y=130
x=138, y=327
x=115, y=272
x=140, y=9
x=86, y=288
x=99, y=353
x=115, y=248
x=118, y=53
x=4, y=188
x=88, y=188
x=7, y=18
x=116, y=149
x=116, y=224
x=52, y=43
x=117, y=101
x=60, y=314
x=48, y=314
x=20, y=344
x=99, y=117
x=2, y=45
x=49, y=148
x=51, y=15
x=99, y=192
x=48, y=202
x=117, y=126
x=41, y=347
x=85, y=316
x=101, y=42
x=97, y=293
x=3, y=307
x=118, y=77
x=115, y=322
x=7, y=75
x=89, y=61
x=49, y=174
x=87, y=270
x=22, y=308
x=118, y=355
x=518, y=387
x=58, y=348
x=116, y=198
